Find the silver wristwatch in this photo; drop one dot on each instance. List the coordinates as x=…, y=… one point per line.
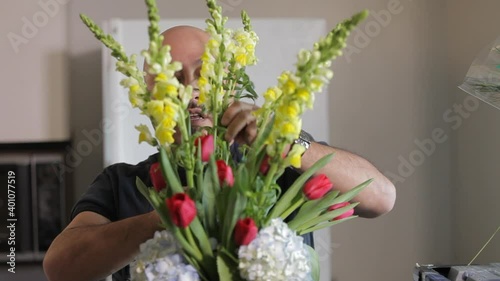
x=304, y=139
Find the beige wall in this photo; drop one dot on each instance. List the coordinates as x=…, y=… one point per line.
x=475, y=186
x=387, y=100
x=385, y=104
x=34, y=105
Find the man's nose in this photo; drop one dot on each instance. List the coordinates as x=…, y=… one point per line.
x=195, y=96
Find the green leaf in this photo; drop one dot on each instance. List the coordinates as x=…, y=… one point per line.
x=285, y=200
x=227, y=267
x=208, y=199
x=324, y=225
x=314, y=208
x=156, y=202
x=314, y=260
x=327, y=216
x=169, y=172
x=223, y=269
x=202, y=237
x=318, y=205
x=348, y=196
x=236, y=203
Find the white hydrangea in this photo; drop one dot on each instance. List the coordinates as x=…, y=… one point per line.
x=277, y=253
x=159, y=260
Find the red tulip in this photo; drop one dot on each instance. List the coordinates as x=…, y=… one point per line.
x=344, y=215
x=264, y=166
x=157, y=177
x=207, y=146
x=245, y=231
x=317, y=187
x=182, y=209
x=225, y=173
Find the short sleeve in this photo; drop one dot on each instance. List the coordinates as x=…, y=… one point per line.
x=99, y=198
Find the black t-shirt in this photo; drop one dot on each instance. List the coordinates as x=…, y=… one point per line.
x=114, y=195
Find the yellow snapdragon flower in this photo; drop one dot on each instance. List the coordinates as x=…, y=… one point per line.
x=165, y=131
x=145, y=135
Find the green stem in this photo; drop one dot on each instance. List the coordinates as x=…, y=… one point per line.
x=187, y=246
x=190, y=178
x=484, y=246
x=270, y=175
x=192, y=243
x=202, y=261
x=185, y=138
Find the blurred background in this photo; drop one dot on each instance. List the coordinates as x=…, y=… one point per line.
x=394, y=100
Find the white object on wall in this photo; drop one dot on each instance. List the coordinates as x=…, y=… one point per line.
x=280, y=41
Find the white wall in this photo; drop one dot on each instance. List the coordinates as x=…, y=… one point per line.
x=34, y=78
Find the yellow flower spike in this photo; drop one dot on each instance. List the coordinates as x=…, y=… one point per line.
x=291, y=110
x=165, y=136
x=154, y=109
x=144, y=134
x=165, y=131
x=294, y=156
x=207, y=70
x=206, y=57
x=241, y=59
x=213, y=43
x=283, y=77
x=185, y=95
x=271, y=94
x=288, y=128
x=289, y=86
x=202, y=82
x=304, y=95
x=135, y=101
x=135, y=88
x=133, y=96
x=202, y=98
x=316, y=85
x=170, y=109
x=159, y=92
x=171, y=90
x=162, y=77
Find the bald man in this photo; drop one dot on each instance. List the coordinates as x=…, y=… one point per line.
x=112, y=218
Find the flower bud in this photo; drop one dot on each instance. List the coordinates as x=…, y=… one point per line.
x=317, y=187
x=264, y=166
x=182, y=209
x=245, y=231
x=225, y=173
x=207, y=146
x=341, y=205
x=157, y=177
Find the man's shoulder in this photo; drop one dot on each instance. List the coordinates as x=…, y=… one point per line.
x=127, y=169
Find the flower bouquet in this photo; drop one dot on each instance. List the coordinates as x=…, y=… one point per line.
x=483, y=78
x=225, y=217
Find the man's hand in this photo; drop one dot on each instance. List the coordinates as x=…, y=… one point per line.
x=240, y=123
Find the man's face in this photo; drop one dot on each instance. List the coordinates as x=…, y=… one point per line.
x=188, y=45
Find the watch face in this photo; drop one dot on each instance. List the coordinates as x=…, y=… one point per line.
x=306, y=136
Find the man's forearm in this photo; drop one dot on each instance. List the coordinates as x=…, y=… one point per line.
x=346, y=171
x=92, y=252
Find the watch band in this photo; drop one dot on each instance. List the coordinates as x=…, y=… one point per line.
x=304, y=140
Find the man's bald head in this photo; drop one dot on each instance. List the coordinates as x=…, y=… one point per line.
x=187, y=45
